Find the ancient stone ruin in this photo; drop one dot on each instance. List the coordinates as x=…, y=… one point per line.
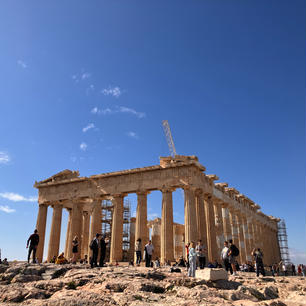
x=214, y=212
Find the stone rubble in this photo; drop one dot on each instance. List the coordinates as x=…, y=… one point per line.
x=69, y=285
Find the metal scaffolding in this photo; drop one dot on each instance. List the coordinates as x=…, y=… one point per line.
x=283, y=242
x=107, y=218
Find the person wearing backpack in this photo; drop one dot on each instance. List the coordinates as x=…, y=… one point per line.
x=259, y=262
x=233, y=252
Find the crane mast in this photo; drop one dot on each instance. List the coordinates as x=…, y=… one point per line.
x=169, y=138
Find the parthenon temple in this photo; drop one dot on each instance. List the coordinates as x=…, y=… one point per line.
x=213, y=212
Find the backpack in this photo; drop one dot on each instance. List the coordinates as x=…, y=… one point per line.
x=91, y=244
x=235, y=250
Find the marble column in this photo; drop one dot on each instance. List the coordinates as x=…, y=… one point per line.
x=210, y=229
x=166, y=239
x=76, y=228
x=41, y=228
x=233, y=223
x=68, y=232
x=250, y=232
x=95, y=222
x=132, y=238
x=246, y=238
x=190, y=215
x=156, y=236
x=201, y=218
x=85, y=235
x=219, y=225
x=241, y=245
x=55, y=232
x=141, y=228
x=117, y=229
x=227, y=230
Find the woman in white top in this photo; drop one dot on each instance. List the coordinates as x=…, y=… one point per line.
x=192, y=260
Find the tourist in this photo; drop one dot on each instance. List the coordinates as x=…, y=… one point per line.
x=60, y=260
x=299, y=270
x=103, y=244
x=94, y=246
x=53, y=259
x=225, y=258
x=258, y=257
x=192, y=260
x=5, y=262
x=274, y=269
x=156, y=263
x=187, y=254
x=75, y=247
x=138, y=249
x=148, y=250
x=304, y=270
x=181, y=262
x=200, y=250
x=284, y=269
x=293, y=271
x=33, y=240
x=233, y=252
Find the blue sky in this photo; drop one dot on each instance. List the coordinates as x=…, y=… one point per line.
x=84, y=85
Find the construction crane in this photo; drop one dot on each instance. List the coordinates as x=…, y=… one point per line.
x=169, y=138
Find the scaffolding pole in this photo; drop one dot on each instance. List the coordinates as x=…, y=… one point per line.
x=283, y=242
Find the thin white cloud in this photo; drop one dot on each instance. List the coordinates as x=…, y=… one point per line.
x=106, y=111
x=132, y=135
x=85, y=75
x=88, y=127
x=83, y=146
x=124, y=109
x=95, y=110
x=15, y=197
x=22, y=64
x=7, y=209
x=4, y=158
x=112, y=91
x=90, y=89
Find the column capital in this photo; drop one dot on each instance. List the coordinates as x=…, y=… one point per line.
x=119, y=195
x=207, y=196
x=167, y=189
x=143, y=192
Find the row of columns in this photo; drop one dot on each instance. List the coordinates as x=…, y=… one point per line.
x=206, y=218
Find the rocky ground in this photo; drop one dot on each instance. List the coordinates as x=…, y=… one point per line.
x=53, y=285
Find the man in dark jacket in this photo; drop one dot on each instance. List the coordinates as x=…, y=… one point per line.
x=103, y=244
x=33, y=240
x=94, y=246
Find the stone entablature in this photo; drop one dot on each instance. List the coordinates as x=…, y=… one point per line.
x=213, y=211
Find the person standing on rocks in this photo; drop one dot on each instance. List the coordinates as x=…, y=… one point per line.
x=258, y=256
x=138, y=249
x=94, y=246
x=103, y=244
x=149, y=249
x=192, y=260
x=233, y=253
x=200, y=250
x=75, y=246
x=225, y=258
x=33, y=240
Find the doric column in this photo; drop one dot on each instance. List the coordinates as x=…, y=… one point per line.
x=55, y=232
x=76, y=227
x=132, y=238
x=233, y=223
x=201, y=218
x=117, y=229
x=211, y=231
x=41, y=228
x=141, y=229
x=242, y=253
x=68, y=232
x=85, y=234
x=166, y=239
x=156, y=236
x=178, y=234
x=219, y=225
x=226, y=222
x=95, y=222
x=246, y=239
x=250, y=232
x=190, y=215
